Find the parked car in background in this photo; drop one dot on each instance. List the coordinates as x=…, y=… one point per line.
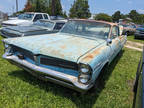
x=13, y=17
x=1, y=21
x=39, y=27
x=139, y=34
x=129, y=29
x=139, y=85
x=58, y=18
x=74, y=57
x=26, y=19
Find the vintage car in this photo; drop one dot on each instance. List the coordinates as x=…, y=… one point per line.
x=129, y=29
x=74, y=57
x=39, y=27
x=139, y=34
x=138, y=101
x=27, y=18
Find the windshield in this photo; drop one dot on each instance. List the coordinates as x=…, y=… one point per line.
x=43, y=23
x=26, y=16
x=87, y=29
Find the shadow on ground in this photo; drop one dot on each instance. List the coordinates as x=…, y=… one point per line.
x=81, y=101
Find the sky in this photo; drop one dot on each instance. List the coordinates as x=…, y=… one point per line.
x=96, y=6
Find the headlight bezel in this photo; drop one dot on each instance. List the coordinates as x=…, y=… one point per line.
x=85, y=73
x=7, y=48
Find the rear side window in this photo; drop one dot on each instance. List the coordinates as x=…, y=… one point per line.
x=45, y=16
x=38, y=17
x=115, y=32
x=58, y=26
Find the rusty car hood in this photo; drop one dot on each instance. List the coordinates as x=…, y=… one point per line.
x=63, y=46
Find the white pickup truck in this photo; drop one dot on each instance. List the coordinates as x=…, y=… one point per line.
x=26, y=19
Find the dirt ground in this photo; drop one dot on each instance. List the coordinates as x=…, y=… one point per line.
x=134, y=45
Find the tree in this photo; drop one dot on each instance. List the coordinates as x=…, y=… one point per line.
x=28, y=7
x=52, y=7
x=55, y=7
x=116, y=16
x=103, y=17
x=124, y=16
x=64, y=14
x=134, y=15
x=58, y=8
x=80, y=9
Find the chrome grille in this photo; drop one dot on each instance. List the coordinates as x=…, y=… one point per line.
x=141, y=32
x=24, y=52
x=58, y=63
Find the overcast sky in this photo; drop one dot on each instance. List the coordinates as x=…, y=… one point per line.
x=96, y=6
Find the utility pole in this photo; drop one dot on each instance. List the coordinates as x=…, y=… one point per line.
x=16, y=5
x=53, y=7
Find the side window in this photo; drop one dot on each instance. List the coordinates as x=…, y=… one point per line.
x=58, y=26
x=45, y=16
x=38, y=17
x=115, y=32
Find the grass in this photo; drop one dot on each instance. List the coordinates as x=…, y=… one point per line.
x=18, y=89
x=131, y=38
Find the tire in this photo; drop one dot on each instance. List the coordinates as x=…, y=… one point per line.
x=127, y=33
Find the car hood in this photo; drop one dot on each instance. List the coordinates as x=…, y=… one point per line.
x=23, y=29
x=17, y=22
x=57, y=45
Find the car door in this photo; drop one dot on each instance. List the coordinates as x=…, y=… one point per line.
x=115, y=44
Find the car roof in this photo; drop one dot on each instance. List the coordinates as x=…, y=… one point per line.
x=89, y=20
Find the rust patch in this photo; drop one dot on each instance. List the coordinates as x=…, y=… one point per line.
x=121, y=38
x=116, y=42
x=91, y=55
x=63, y=47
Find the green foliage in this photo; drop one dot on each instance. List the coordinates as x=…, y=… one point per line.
x=136, y=17
x=116, y=16
x=124, y=16
x=64, y=14
x=80, y=9
x=55, y=8
x=44, y=6
x=103, y=17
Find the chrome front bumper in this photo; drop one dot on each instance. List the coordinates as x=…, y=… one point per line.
x=48, y=74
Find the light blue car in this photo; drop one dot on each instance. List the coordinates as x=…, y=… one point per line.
x=74, y=57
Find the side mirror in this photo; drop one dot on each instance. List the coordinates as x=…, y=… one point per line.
x=109, y=41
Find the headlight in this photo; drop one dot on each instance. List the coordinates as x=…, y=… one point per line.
x=85, y=69
x=84, y=78
x=7, y=49
x=85, y=73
